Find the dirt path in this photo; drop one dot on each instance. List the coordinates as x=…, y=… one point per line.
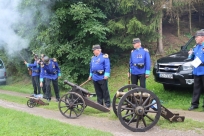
x=104, y=124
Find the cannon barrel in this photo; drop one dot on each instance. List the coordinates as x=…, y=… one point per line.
x=120, y=94
x=78, y=87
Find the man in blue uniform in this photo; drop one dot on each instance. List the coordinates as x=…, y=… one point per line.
x=140, y=64
x=99, y=73
x=50, y=71
x=44, y=87
x=198, y=72
x=35, y=74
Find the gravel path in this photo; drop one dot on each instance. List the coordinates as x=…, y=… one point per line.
x=103, y=124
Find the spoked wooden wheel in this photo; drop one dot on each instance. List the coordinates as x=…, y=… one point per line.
x=71, y=105
x=31, y=103
x=139, y=110
x=117, y=97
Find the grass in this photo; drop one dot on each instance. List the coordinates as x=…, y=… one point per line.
x=173, y=99
x=16, y=123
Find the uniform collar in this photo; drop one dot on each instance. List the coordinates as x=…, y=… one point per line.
x=99, y=55
x=138, y=48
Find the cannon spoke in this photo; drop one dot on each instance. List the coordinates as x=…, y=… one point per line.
x=150, y=105
x=135, y=99
x=149, y=117
x=66, y=111
x=128, y=115
x=151, y=111
x=140, y=103
x=146, y=100
x=131, y=120
x=144, y=122
x=71, y=105
x=129, y=102
x=75, y=112
x=138, y=120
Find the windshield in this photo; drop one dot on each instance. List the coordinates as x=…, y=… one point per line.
x=1, y=64
x=190, y=44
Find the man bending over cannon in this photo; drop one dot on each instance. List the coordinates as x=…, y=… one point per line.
x=50, y=72
x=99, y=72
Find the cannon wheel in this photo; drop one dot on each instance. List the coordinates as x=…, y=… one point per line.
x=139, y=113
x=116, y=101
x=31, y=103
x=71, y=105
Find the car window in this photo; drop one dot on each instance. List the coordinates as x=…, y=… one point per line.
x=1, y=64
x=191, y=44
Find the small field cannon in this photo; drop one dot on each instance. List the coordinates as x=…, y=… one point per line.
x=35, y=100
x=139, y=109
x=73, y=103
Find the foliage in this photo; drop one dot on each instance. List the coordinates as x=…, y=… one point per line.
x=132, y=19
x=66, y=30
x=72, y=30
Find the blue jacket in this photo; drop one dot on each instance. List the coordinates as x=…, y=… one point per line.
x=198, y=51
x=99, y=67
x=50, y=71
x=138, y=57
x=35, y=68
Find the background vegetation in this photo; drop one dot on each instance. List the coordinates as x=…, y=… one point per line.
x=72, y=27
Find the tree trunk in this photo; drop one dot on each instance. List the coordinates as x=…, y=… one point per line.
x=200, y=17
x=178, y=25
x=189, y=12
x=160, y=41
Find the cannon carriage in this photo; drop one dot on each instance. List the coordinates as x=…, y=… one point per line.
x=73, y=103
x=139, y=109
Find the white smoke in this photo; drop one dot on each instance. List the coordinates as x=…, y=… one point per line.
x=8, y=17
x=11, y=38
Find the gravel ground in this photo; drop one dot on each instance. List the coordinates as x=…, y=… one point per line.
x=104, y=124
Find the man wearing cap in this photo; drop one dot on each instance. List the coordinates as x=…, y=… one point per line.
x=140, y=64
x=50, y=71
x=197, y=53
x=99, y=73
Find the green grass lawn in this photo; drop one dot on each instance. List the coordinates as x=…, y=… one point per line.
x=16, y=123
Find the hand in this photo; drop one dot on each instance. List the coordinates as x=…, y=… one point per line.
x=146, y=76
x=41, y=84
x=105, y=77
x=191, y=51
x=128, y=74
x=89, y=78
x=25, y=62
x=59, y=77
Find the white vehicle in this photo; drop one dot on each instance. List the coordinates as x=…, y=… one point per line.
x=2, y=73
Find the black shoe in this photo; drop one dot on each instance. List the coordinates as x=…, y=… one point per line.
x=192, y=108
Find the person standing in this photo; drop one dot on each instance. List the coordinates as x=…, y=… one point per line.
x=139, y=64
x=99, y=73
x=50, y=72
x=43, y=87
x=197, y=53
x=35, y=74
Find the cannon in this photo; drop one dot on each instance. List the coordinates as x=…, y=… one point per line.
x=73, y=103
x=35, y=100
x=139, y=109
